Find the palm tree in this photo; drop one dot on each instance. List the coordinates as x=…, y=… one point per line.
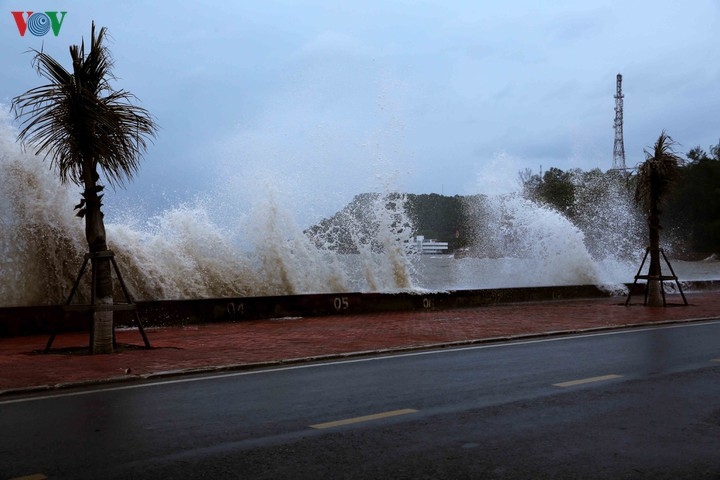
x=82, y=124
x=655, y=178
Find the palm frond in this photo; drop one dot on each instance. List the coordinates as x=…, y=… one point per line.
x=658, y=173
x=79, y=121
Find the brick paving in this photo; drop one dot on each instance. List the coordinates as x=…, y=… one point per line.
x=253, y=343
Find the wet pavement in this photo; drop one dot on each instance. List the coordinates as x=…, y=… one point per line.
x=252, y=344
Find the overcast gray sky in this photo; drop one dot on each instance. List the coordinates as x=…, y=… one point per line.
x=341, y=97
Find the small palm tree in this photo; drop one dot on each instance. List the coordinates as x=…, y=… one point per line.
x=655, y=179
x=82, y=124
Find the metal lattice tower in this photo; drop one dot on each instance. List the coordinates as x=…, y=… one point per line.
x=619, y=148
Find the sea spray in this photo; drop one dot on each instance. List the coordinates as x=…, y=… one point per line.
x=182, y=252
x=372, y=236
x=41, y=241
x=614, y=228
x=525, y=244
x=287, y=260
x=604, y=209
x=386, y=263
x=241, y=241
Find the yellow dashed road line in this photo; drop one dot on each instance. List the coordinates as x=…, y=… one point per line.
x=366, y=418
x=583, y=381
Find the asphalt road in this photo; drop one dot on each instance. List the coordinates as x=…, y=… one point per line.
x=627, y=404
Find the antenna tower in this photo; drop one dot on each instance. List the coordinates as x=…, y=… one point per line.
x=619, y=148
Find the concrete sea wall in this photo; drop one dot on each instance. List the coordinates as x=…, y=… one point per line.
x=40, y=319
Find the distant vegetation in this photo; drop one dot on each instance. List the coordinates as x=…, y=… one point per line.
x=691, y=214
x=694, y=207
x=438, y=217
x=592, y=200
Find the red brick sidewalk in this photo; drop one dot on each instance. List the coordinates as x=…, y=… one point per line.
x=235, y=345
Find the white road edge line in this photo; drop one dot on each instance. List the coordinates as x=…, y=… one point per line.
x=391, y=356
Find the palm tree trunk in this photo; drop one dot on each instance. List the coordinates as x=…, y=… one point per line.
x=97, y=242
x=655, y=298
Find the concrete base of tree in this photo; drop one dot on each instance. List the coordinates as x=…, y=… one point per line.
x=102, y=338
x=655, y=294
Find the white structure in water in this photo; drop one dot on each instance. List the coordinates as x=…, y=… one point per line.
x=430, y=246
